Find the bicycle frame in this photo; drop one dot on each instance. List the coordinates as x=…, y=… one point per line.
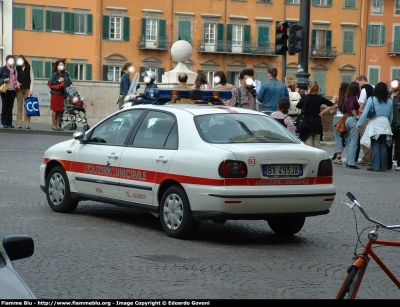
x=362, y=260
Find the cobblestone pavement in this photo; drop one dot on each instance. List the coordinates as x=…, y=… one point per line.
x=102, y=251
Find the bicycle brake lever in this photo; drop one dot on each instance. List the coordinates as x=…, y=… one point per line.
x=351, y=206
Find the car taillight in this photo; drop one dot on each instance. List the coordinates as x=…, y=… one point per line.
x=325, y=168
x=232, y=169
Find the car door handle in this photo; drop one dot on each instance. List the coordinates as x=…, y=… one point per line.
x=113, y=156
x=161, y=159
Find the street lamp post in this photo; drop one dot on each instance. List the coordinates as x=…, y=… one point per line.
x=303, y=57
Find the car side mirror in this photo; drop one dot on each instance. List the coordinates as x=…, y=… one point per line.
x=80, y=136
x=18, y=246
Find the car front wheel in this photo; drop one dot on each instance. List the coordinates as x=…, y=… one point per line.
x=286, y=226
x=58, y=192
x=175, y=214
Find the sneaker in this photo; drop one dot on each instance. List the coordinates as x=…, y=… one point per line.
x=11, y=126
x=337, y=161
x=363, y=163
x=19, y=126
x=27, y=127
x=397, y=168
x=78, y=120
x=2, y=126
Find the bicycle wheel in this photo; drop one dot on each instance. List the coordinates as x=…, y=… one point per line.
x=351, y=283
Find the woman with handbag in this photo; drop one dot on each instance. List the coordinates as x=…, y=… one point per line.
x=58, y=83
x=350, y=107
x=310, y=105
x=378, y=133
x=24, y=74
x=9, y=82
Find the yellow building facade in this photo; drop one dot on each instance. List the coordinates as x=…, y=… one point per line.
x=98, y=36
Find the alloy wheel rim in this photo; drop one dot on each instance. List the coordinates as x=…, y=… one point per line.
x=173, y=212
x=56, y=189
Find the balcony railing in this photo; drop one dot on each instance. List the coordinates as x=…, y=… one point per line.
x=394, y=48
x=157, y=44
x=250, y=48
x=323, y=52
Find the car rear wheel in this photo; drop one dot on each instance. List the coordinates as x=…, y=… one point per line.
x=286, y=226
x=175, y=214
x=58, y=192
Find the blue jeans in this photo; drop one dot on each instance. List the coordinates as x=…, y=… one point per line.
x=352, y=140
x=338, y=139
x=379, y=154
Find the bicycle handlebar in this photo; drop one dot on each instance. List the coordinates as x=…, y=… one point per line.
x=356, y=203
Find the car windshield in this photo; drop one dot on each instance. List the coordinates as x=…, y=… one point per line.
x=242, y=128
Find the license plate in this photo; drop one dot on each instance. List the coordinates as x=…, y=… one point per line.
x=283, y=170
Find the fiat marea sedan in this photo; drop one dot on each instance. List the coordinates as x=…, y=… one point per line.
x=189, y=163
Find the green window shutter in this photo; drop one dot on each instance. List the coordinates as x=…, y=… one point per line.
x=320, y=78
x=220, y=37
x=185, y=30
x=49, y=20
x=373, y=76
x=37, y=20
x=67, y=22
x=396, y=43
x=369, y=35
x=71, y=70
x=89, y=24
x=47, y=69
x=106, y=28
x=348, y=42
x=313, y=39
x=126, y=29
x=162, y=33
x=105, y=71
x=350, y=3
x=160, y=72
x=346, y=78
x=395, y=73
x=88, y=72
x=229, y=28
x=143, y=29
x=246, y=38
x=37, y=69
x=19, y=18
x=72, y=23
x=262, y=76
x=329, y=2
x=383, y=35
x=328, y=40
x=315, y=2
x=263, y=36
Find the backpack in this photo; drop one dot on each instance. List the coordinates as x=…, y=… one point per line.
x=294, y=98
x=281, y=121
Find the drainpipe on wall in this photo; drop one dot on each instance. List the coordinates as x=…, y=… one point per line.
x=172, y=23
x=101, y=39
x=361, y=36
x=223, y=58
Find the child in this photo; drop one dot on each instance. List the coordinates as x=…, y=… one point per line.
x=79, y=107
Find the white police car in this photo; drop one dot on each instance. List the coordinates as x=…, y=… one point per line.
x=190, y=163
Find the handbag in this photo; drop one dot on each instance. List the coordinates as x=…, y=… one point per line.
x=341, y=126
x=371, y=112
x=3, y=88
x=301, y=122
x=32, y=106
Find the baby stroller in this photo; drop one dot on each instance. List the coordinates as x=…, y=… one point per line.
x=74, y=111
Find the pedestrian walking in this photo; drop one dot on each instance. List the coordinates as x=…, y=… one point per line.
x=394, y=149
x=242, y=96
x=378, y=132
x=59, y=81
x=310, y=104
x=351, y=107
x=271, y=91
x=7, y=75
x=125, y=82
x=25, y=79
x=366, y=90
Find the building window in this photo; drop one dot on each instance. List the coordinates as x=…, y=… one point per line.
x=292, y=1
x=185, y=30
x=376, y=35
x=57, y=21
x=37, y=69
x=80, y=23
x=373, y=75
x=78, y=71
x=210, y=77
x=209, y=33
x=397, y=6
x=320, y=77
x=348, y=41
x=322, y=2
x=350, y=4
x=237, y=35
x=263, y=36
x=19, y=18
x=395, y=73
x=115, y=28
x=377, y=7
x=233, y=78
x=37, y=20
x=321, y=41
x=112, y=73
x=151, y=30
x=346, y=77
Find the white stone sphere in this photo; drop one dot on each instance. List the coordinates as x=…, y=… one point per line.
x=181, y=51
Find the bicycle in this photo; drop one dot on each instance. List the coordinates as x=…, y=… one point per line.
x=356, y=271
